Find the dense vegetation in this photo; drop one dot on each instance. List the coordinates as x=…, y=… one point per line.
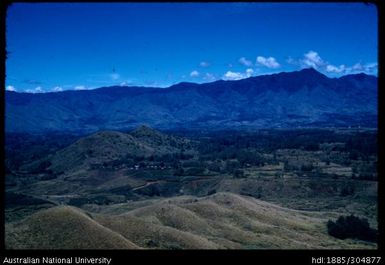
x=352, y=227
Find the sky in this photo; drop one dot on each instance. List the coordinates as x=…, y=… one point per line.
x=75, y=46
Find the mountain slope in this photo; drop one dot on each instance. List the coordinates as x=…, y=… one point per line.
x=98, y=148
x=301, y=98
x=107, y=146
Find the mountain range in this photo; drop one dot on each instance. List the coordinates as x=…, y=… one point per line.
x=304, y=98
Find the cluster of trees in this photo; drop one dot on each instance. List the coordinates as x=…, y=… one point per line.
x=244, y=156
x=270, y=140
x=360, y=144
x=352, y=227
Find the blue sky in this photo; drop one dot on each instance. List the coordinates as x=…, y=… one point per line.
x=66, y=46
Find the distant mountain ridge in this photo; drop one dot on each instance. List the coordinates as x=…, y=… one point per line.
x=303, y=98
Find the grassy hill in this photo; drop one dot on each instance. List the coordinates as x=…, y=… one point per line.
x=219, y=221
x=63, y=227
x=96, y=149
x=108, y=146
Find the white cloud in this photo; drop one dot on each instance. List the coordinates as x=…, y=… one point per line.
x=309, y=59
x=38, y=89
x=209, y=77
x=269, y=62
x=358, y=67
x=312, y=59
x=245, y=62
x=204, y=64
x=57, y=89
x=369, y=68
x=10, y=88
x=194, y=73
x=249, y=72
x=335, y=69
x=80, y=88
x=229, y=75
x=267, y=73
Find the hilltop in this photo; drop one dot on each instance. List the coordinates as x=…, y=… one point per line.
x=154, y=138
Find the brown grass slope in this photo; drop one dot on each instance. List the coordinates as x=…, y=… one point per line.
x=62, y=227
x=219, y=221
x=227, y=220
x=150, y=235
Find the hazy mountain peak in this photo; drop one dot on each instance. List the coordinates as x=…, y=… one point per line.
x=144, y=130
x=309, y=70
x=184, y=84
